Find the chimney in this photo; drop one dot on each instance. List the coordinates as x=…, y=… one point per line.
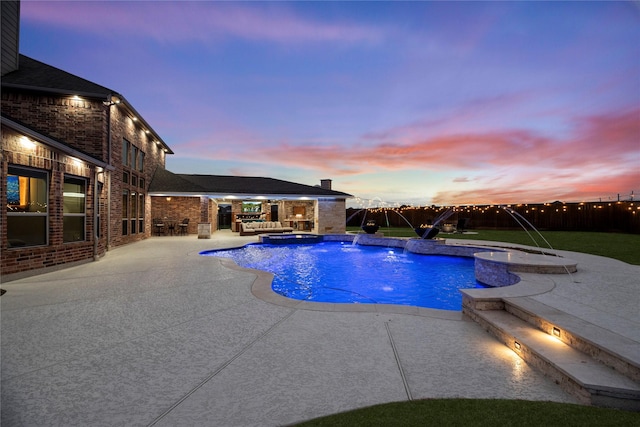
x=325, y=183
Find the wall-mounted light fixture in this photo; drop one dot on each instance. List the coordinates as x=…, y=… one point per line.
x=75, y=161
x=113, y=100
x=517, y=345
x=168, y=199
x=556, y=332
x=27, y=143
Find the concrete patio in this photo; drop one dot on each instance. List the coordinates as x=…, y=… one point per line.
x=155, y=334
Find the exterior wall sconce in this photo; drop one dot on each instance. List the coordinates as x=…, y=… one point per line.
x=114, y=100
x=556, y=332
x=168, y=199
x=27, y=143
x=517, y=345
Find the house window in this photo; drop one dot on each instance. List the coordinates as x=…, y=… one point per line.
x=140, y=165
x=74, y=209
x=134, y=211
x=27, y=207
x=140, y=212
x=134, y=157
x=125, y=212
x=133, y=190
x=126, y=147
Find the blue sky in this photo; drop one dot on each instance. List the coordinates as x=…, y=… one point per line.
x=404, y=102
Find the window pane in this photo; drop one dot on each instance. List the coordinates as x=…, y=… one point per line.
x=141, y=206
x=73, y=227
x=134, y=210
x=27, y=206
x=26, y=230
x=125, y=177
x=141, y=213
x=74, y=195
x=125, y=152
x=26, y=191
x=141, y=161
x=134, y=156
x=125, y=204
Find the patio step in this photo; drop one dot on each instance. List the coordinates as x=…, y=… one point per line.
x=578, y=372
x=613, y=350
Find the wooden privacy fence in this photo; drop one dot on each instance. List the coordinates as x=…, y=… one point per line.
x=623, y=216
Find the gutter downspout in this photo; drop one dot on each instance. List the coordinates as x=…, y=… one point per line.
x=96, y=207
x=108, y=175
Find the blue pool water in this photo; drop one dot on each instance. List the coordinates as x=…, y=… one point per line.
x=339, y=272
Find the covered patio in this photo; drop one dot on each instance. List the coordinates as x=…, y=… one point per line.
x=215, y=202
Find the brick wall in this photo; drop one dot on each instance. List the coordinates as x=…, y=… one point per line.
x=78, y=122
x=177, y=209
x=123, y=127
x=57, y=165
x=95, y=129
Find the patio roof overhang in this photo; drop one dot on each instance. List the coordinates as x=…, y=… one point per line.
x=245, y=196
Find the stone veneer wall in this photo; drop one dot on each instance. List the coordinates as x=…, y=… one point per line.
x=494, y=274
x=330, y=217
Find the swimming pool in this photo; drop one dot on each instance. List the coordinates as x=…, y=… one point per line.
x=340, y=272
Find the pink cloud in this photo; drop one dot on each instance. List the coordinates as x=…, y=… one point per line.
x=530, y=188
x=199, y=21
x=608, y=141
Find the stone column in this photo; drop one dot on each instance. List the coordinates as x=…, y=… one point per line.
x=204, y=226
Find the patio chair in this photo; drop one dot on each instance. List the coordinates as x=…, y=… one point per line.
x=184, y=226
x=158, y=226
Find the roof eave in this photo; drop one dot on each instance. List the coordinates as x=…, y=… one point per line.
x=247, y=196
x=53, y=143
x=56, y=91
x=141, y=119
x=105, y=97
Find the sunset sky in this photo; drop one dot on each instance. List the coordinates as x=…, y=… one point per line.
x=401, y=102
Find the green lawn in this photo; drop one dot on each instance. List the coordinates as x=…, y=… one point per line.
x=624, y=247
x=477, y=412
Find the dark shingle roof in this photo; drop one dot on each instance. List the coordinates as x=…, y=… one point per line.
x=34, y=74
x=168, y=182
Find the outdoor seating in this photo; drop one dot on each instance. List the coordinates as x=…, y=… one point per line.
x=158, y=226
x=262, y=227
x=184, y=227
x=171, y=227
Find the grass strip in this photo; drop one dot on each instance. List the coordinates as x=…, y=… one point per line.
x=623, y=247
x=477, y=412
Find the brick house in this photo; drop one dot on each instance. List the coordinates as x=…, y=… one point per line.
x=77, y=160
x=81, y=171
